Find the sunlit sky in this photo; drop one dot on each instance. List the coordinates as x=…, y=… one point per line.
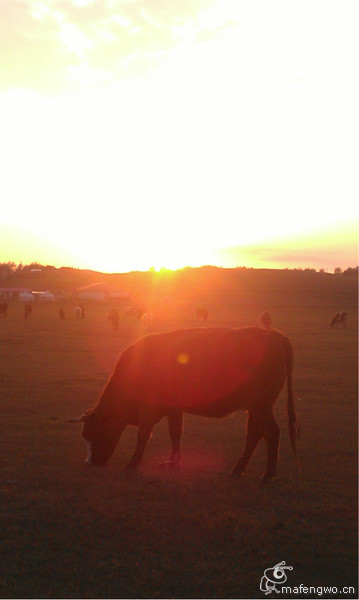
x=140, y=133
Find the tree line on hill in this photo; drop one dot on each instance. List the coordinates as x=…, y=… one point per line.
x=11, y=270
x=187, y=285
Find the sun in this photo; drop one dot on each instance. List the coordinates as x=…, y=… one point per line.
x=143, y=257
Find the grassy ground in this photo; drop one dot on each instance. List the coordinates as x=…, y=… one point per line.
x=72, y=531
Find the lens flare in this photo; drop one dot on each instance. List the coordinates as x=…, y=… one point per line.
x=183, y=358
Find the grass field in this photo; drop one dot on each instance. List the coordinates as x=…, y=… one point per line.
x=72, y=531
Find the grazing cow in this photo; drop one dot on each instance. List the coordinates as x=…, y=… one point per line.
x=266, y=320
x=114, y=317
x=3, y=309
x=147, y=319
x=203, y=371
x=202, y=313
x=135, y=312
x=27, y=311
x=340, y=319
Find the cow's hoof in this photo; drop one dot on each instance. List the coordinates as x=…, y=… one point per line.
x=169, y=464
x=237, y=473
x=267, y=479
x=172, y=463
x=130, y=468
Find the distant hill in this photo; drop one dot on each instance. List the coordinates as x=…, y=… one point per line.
x=202, y=284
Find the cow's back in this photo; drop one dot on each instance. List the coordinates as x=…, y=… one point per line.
x=230, y=369
x=210, y=371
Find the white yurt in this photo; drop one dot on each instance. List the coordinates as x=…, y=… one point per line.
x=45, y=297
x=25, y=297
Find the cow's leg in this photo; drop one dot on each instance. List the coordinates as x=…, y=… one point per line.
x=271, y=437
x=254, y=434
x=175, y=428
x=145, y=427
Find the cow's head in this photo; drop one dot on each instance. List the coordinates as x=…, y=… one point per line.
x=100, y=437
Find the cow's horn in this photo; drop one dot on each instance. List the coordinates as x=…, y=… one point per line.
x=76, y=420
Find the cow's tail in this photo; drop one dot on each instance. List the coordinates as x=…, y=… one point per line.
x=293, y=425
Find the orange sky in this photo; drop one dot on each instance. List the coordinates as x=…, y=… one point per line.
x=137, y=133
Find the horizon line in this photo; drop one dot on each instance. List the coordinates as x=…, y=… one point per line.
x=162, y=269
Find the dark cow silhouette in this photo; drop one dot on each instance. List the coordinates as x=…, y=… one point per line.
x=266, y=319
x=27, y=311
x=135, y=311
x=147, y=319
x=204, y=371
x=340, y=319
x=114, y=317
x=3, y=309
x=202, y=313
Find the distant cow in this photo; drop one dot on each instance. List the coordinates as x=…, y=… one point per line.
x=340, y=319
x=3, y=309
x=114, y=317
x=27, y=311
x=205, y=371
x=147, y=319
x=202, y=314
x=266, y=319
x=135, y=311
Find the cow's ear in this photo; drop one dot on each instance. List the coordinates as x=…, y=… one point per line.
x=76, y=420
x=89, y=415
x=86, y=416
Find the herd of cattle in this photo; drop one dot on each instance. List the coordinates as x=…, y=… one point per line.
x=4, y=310
x=146, y=317
x=206, y=371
